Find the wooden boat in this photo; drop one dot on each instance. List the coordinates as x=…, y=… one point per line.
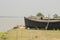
x=48, y=24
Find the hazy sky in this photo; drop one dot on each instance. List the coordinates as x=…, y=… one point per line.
x=28, y=7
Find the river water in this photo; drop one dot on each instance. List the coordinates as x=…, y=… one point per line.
x=8, y=23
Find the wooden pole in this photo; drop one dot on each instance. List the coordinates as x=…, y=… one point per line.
x=47, y=22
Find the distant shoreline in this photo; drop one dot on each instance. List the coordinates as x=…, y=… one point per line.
x=10, y=17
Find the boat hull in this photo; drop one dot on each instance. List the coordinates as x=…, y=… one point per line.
x=41, y=25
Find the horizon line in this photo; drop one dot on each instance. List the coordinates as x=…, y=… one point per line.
x=10, y=17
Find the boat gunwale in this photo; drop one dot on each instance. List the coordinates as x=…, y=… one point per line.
x=44, y=20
